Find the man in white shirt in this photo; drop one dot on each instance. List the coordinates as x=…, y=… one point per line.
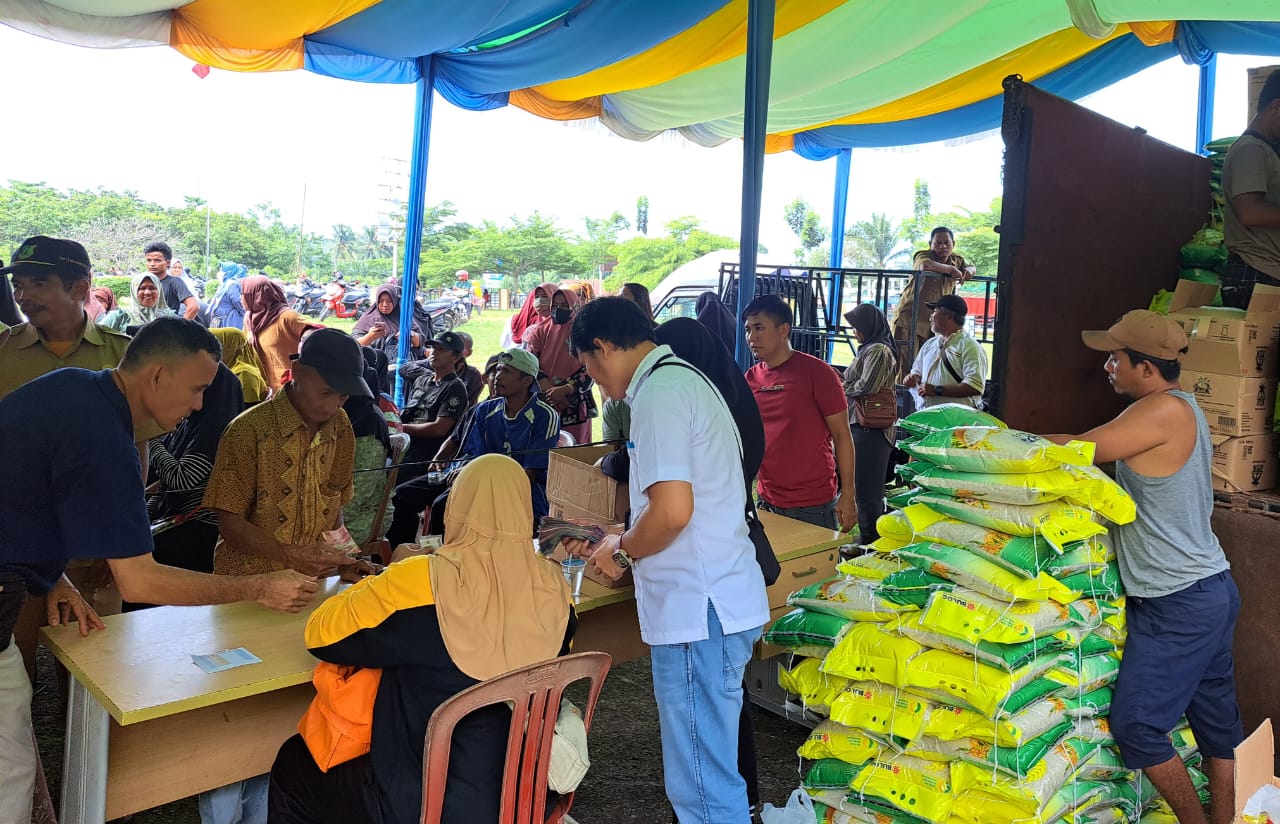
x=952, y=366
x=699, y=590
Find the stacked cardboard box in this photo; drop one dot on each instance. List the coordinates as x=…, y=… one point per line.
x=1231, y=367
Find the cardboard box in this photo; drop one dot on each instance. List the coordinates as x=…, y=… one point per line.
x=1228, y=341
x=1255, y=767
x=1233, y=405
x=1245, y=464
x=578, y=491
x=1257, y=78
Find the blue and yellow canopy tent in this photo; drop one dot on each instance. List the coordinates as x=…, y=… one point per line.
x=816, y=77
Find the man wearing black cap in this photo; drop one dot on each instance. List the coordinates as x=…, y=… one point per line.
x=436, y=403
x=284, y=468
x=952, y=366
x=51, y=279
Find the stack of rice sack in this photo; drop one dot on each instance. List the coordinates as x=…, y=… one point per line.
x=964, y=670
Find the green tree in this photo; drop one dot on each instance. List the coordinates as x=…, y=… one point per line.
x=921, y=223
x=642, y=215
x=875, y=243
x=807, y=226
x=648, y=260
x=598, y=247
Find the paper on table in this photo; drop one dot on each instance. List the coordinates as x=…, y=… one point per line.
x=225, y=660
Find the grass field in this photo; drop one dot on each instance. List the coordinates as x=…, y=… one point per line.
x=485, y=329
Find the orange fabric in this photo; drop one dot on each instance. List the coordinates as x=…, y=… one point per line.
x=775, y=143
x=1155, y=32
x=266, y=36
x=535, y=103
x=338, y=725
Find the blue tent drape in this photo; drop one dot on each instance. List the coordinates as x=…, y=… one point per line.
x=844, y=162
x=414, y=217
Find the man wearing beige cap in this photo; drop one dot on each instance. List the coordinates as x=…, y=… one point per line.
x=1182, y=603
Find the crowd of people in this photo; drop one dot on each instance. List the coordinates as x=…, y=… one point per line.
x=248, y=461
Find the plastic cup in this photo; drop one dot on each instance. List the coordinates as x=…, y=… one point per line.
x=573, y=569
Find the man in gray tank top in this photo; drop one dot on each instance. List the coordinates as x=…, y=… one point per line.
x=1182, y=603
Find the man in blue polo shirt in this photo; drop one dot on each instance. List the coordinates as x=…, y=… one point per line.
x=515, y=422
x=67, y=441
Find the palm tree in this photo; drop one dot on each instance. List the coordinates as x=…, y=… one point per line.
x=876, y=243
x=344, y=242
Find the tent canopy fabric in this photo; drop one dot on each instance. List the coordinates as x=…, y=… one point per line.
x=846, y=73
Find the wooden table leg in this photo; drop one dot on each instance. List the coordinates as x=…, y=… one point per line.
x=84, y=765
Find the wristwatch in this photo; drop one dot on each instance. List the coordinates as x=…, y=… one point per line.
x=621, y=558
x=937, y=389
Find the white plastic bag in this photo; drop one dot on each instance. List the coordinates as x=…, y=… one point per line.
x=799, y=810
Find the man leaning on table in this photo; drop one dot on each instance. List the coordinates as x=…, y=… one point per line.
x=700, y=593
x=67, y=441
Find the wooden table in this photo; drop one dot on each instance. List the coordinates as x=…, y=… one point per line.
x=168, y=730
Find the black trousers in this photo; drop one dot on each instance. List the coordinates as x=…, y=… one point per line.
x=411, y=498
x=301, y=794
x=871, y=453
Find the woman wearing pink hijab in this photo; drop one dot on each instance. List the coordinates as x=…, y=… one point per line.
x=565, y=383
x=273, y=328
x=536, y=309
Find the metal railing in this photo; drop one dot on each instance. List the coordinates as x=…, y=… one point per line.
x=820, y=296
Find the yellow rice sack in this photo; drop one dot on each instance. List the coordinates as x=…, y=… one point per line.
x=834, y=807
x=955, y=723
x=815, y=688
x=971, y=617
x=1057, y=522
x=873, y=567
x=1010, y=761
x=946, y=416
x=1007, y=657
x=982, y=575
x=1033, y=793
x=1085, y=556
x=881, y=710
x=913, y=785
x=1084, y=486
x=851, y=598
x=832, y=740
x=1026, y=557
x=1000, y=451
x=1086, y=674
x=963, y=679
x=868, y=653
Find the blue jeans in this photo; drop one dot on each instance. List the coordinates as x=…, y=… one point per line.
x=698, y=687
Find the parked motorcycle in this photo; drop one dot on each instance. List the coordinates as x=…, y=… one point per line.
x=344, y=301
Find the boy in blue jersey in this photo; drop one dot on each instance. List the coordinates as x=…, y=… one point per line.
x=515, y=422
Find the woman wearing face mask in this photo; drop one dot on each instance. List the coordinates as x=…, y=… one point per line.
x=565, y=383
x=536, y=309
x=147, y=305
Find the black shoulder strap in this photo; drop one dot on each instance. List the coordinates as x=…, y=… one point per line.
x=947, y=365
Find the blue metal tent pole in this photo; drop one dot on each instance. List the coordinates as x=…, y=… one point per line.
x=417, y=208
x=754, y=124
x=1204, y=104
x=835, y=294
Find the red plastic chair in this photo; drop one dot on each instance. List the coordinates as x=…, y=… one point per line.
x=534, y=693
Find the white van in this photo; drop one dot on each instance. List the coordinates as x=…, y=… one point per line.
x=677, y=294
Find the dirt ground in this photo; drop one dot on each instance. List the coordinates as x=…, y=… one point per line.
x=624, y=784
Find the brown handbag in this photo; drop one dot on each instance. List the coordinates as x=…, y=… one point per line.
x=879, y=410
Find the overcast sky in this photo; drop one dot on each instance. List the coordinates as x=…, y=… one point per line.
x=139, y=119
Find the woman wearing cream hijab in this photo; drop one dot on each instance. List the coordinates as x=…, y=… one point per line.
x=482, y=605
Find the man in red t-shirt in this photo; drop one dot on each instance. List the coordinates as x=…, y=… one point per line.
x=806, y=424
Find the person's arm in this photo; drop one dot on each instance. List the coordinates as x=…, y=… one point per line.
x=970, y=359
x=370, y=624
x=925, y=263
x=190, y=308
x=1254, y=212
x=141, y=579
x=436, y=428
x=842, y=445
x=311, y=559
x=669, y=511
x=1139, y=428
x=185, y=474
x=866, y=375
x=414, y=369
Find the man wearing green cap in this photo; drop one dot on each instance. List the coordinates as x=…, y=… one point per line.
x=516, y=422
x=1181, y=600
